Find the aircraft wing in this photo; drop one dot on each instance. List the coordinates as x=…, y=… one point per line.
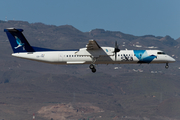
x=92, y=45
x=93, y=49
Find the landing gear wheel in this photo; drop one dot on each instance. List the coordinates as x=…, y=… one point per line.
x=167, y=66
x=91, y=66
x=93, y=70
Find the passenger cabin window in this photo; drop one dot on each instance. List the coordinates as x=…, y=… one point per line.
x=161, y=53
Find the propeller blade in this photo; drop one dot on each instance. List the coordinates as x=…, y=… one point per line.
x=116, y=49
x=116, y=46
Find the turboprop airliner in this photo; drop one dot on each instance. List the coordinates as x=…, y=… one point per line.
x=92, y=54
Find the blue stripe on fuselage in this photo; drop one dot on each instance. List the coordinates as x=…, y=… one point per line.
x=143, y=56
x=38, y=49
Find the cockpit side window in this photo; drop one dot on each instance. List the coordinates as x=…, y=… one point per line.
x=161, y=53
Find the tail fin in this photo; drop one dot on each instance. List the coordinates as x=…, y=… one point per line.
x=18, y=41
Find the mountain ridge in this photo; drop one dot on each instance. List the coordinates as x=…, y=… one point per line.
x=121, y=91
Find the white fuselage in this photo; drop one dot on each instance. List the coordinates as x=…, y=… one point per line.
x=103, y=56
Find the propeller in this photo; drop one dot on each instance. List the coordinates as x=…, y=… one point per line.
x=116, y=49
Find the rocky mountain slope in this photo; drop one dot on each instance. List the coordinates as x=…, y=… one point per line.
x=120, y=91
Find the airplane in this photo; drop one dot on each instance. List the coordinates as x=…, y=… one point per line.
x=92, y=54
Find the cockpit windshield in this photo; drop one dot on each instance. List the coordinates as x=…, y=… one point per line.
x=161, y=53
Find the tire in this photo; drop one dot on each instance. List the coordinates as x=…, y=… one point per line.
x=91, y=66
x=93, y=70
x=166, y=66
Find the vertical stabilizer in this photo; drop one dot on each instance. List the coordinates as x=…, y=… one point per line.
x=18, y=41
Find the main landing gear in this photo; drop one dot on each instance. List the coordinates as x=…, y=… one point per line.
x=92, y=67
x=167, y=66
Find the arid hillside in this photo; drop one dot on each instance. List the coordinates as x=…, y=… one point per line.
x=73, y=92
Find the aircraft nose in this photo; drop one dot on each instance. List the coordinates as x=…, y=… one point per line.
x=171, y=59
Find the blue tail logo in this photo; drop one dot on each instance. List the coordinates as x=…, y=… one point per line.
x=18, y=41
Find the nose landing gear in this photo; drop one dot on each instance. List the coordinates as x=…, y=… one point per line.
x=167, y=66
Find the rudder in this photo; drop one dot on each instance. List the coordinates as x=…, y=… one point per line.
x=18, y=41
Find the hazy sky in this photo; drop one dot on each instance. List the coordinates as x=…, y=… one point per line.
x=137, y=17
